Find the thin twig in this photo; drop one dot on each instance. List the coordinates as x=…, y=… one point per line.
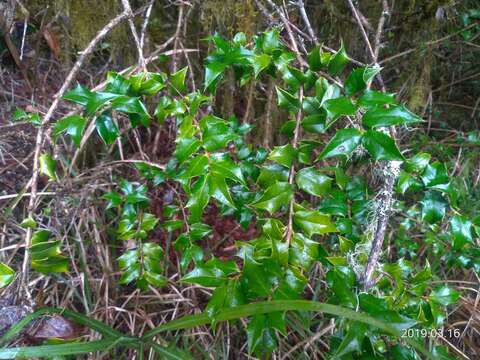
x=303, y=13
x=128, y=9
x=145, y=23
x=428, y=43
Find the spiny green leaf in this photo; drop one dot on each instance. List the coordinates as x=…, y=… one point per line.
x=462, y=231
x=283, y=155
x=315, y=123
x=213, y=73
x=274, y=197
x=303, y=252
x=185, y=148
x=339, y=107
x=199, y=198
x=394, y=115
x=381, y=146
x=343, y=143
x=261, y=337
x=373, y=98
x=359, y=78
x=177, y=81
x=219, y=190
x=260, y=63
x=286, y=100
x=313, y=181
x=73, y=125
x=314, y=222
x=418, y=162
x=79, y=95
x=435, y=174
x=338, y=61
x=222, y=164
x=444, y=295
x=434, y=206
x=106, y=128
x=272, y=173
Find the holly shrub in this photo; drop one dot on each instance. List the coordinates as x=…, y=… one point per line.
x=310, y=201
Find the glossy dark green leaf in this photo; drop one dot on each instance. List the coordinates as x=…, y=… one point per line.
x=314, y=222
x=73, y=125
x=287, y=101
x=283, y=155
x=198, y=199
x=223, y=165
x=394, y=115
x=199, y=231
x=177, y=81
x=336, y=205
x=79, y=95
x=213, y=73
x=461, y=228
x=163, y=109
x=380, y=146
x=303, y=252
x=212, y=273
x=444, y=295
x=305, y=151
x=341, y=280
x=132, y=105
x=434, y=206
x=216, y=133
x=352, y=340
x=377, y=307
x=219, y=190
x=314, y=59
x=205, y=276
x=315, y=123
x=338, y=61
x=106, y=128
x=407, y=182
x=196, y=166
x=117, y=84
x=340, y=106
x=260, y=336
x=288, y=128
x=435, y=174
x=227, y=295
x=271, y=41
x=274, y=197
x=418, y=162
x=313, y=181
x=373, y=98
x=272, y=173
x=359, y=78
x=343, y=143
x=185, y=148
x=260, y=63
x=99, y=99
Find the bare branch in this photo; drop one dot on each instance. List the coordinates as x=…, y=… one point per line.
x=305, y=19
